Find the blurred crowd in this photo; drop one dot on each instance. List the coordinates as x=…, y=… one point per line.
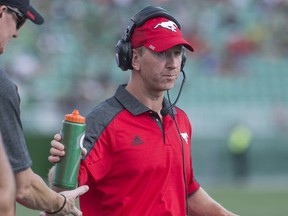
x=69, y=61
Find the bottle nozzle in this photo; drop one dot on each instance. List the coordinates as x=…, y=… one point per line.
x=75, y=117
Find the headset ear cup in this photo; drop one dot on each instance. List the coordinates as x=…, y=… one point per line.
x=118, y=53
x=123, y=55
x=128, y=47
x=183, y=59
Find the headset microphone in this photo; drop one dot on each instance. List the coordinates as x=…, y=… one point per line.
x=166, y=110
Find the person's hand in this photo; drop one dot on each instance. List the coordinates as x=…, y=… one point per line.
x=57, y=150
x=69, y=207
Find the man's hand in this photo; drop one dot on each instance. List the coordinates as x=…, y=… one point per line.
x=70, y=207
x=57, y=150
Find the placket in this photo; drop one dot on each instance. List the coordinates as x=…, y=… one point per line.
x=158, y=121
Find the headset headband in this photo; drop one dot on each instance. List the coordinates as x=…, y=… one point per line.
x=144, y=15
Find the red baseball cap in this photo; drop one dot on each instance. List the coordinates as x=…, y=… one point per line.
x=158, y=34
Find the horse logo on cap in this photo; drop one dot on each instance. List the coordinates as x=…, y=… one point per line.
x=168, y=25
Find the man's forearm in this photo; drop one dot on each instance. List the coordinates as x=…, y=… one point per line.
x=33, y=192
x=200, y=203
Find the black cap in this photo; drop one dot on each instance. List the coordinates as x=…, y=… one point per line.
x=25, y=7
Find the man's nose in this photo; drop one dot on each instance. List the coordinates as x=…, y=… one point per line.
x=172, y=60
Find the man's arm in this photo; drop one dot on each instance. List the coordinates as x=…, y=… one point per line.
x=33, y=193
x=7, y=185
x=201, y=204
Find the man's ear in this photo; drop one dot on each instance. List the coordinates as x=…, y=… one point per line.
x=135, y=59
x=2, y=9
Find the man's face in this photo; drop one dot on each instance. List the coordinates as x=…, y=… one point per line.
x=159, y=70
x=8, y=24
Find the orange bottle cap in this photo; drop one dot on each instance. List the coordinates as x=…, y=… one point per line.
x=74, y=117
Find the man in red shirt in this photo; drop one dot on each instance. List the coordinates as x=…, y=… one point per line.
x=137, y=145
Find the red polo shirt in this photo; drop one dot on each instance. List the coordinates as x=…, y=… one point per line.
x=134, y=164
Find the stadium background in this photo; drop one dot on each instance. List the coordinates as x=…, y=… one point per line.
x=237, y=76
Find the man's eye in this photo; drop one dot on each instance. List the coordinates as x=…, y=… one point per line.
x=178, y=53
x=163, y=53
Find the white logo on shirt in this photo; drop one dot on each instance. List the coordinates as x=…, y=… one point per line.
x=185, y=137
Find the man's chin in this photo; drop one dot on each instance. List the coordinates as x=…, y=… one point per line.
x=169, y=87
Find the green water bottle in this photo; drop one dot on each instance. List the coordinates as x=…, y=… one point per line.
x=72, y=133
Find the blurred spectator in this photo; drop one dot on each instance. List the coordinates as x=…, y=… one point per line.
x=237, y=49
x=239, y=142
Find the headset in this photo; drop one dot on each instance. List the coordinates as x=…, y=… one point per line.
x=123, y=49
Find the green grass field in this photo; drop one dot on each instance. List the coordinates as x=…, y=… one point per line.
x=253, y=202
x=243, y=201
